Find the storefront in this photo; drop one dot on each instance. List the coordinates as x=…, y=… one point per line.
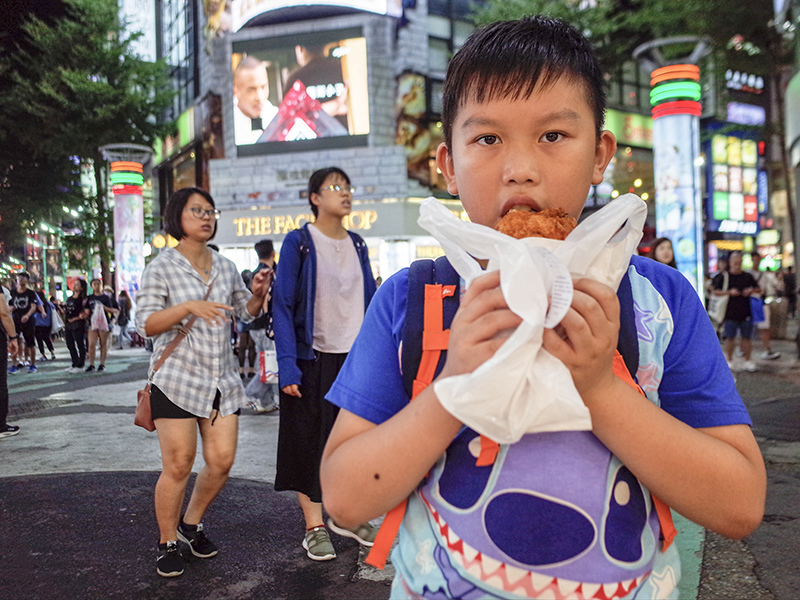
x=631, y=168
x=389, y=228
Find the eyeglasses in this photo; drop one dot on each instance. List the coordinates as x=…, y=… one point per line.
x=339, y=188
x=198, y=212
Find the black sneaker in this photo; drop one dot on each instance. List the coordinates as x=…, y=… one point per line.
x=199, y=544
x=101, y=368
x=170, y=561
x=8, y=430
x=89, y=369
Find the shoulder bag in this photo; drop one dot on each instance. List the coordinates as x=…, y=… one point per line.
x=143, y=416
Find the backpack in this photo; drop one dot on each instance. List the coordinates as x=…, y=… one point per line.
x=433, y=299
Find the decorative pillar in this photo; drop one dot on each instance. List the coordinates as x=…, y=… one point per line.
x=675, y=98
x=127, y=178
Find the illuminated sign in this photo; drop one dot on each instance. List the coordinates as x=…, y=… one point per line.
x=630, y=128
x=736, y=184
x=283, y=224
x=243, y=11
x=746, y=114
x=744, y=82
x=309, y=90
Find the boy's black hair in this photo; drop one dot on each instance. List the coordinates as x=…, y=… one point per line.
x=508, y=59
x=317, y=179
x=174, y=211
x=264, y=249
x=24, y=274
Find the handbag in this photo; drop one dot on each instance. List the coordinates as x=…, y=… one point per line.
x=268, y=366
x=718, y=305
x=142, y=416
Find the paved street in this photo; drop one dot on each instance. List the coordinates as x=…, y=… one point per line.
x=76, y=502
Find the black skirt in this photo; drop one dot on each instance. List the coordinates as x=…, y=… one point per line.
x=305, y=424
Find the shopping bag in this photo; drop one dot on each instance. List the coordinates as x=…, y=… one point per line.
x=523, y=388
x=56, y=324
x=268, y=366
x=98, y=319
x=718, y=305
x=757, y=309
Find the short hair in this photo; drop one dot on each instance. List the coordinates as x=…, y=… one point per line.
x=317, y=179
x=264, y=249
x=95, y=279
x=174, y=211
x=24, y=274
x=249, y=62
x=508, y=59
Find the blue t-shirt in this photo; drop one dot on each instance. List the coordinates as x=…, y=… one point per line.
x=555, y=510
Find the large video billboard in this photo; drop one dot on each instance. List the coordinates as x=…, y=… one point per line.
x=300, y=92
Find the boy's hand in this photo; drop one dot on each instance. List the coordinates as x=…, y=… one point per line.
x=586, y=338
x=480, y=326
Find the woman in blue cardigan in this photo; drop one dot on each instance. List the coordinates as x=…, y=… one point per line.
x=324, y=288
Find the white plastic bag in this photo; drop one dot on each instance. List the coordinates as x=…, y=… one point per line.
x=98, y=319
x=523, y=388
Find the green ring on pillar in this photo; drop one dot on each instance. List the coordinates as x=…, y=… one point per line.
x=129, y=178
x=675, y=90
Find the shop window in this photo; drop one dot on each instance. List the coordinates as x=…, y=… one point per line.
x=438, y=54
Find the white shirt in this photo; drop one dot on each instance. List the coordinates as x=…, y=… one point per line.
x=339, y=299
x=243, y=125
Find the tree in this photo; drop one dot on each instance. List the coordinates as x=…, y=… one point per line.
x=76, y=85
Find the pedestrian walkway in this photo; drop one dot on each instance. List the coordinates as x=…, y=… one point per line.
x=76, y=507
x=76, y=501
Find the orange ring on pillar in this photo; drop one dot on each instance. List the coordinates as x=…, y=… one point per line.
x=675, y=72
x=124, y=165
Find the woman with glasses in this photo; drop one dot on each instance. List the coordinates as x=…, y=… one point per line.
x=198, y=386
x=320, y=297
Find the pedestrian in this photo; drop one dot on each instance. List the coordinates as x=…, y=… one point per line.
x=8, y=343
x=101, y=311
x=523, y=110
x=76, y=311
x=767, y=284
x=790, y=290
x=321, y=293
x=24, y=303
x=197, y=388
x=43, y=324
x=263, y=397
x=663, y=252
x=738, y=314
x=123, y=319
x=245, y=349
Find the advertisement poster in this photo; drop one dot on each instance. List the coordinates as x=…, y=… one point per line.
x=128, y=242
x=678, y=198
x=306, y=89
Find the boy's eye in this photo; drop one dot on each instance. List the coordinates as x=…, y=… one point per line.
x=552, y=136
x=488, y=140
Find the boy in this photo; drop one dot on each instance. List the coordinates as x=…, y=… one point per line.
x=557, y=514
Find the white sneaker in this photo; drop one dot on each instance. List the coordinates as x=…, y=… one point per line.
x=750, y=366
x=766, y=355
x=68, y=370
x=731, y=365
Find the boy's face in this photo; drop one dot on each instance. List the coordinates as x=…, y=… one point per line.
x=533, y=153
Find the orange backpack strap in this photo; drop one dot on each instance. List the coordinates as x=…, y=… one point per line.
x=663, y=511
x=434, y=340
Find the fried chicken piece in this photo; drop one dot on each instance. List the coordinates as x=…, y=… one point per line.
x=551, y=223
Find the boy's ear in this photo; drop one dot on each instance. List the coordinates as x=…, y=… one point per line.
x=444, y=160
x=603, y=154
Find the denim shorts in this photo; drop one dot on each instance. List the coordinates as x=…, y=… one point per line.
x=745, y=327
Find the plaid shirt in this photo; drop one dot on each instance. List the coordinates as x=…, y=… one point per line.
x=203, y=362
